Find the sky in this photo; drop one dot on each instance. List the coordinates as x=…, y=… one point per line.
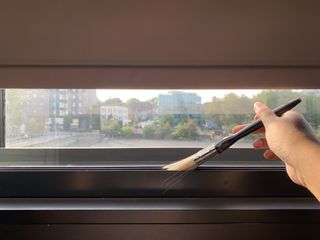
x=144, y=95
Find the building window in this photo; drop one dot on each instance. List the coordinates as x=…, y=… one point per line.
x=144, y=118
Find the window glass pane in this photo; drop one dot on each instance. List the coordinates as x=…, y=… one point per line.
x=68, y=118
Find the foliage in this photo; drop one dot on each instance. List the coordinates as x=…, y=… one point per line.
x=186, y=130
x=192, y=128
x=229, y=110
x=312, y=110
x=141, y=110
x=112, y=128
x=273, y=98
x=126, y=131
x=167, y=119
x=163, y=130
x=113, y=102
x=149, y=131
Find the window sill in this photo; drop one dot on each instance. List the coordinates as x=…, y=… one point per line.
x=155, y=210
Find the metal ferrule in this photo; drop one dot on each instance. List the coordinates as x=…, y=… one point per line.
x=202, y=156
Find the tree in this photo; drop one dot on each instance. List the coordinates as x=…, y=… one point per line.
x=133, y=102
x=113, y=128
x=16, y=111
x=312, y=109
x=154, y=101
x=181, y=132
x=163, y=130
x=126, y=131
x=167, y=119
x=186, y=130
x=140, y=111
x=149, y=131
x=113, y=102
x=192, y=127
x=274, y=98
x=229, y=110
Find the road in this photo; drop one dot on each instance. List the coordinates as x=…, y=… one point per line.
x=98, y=141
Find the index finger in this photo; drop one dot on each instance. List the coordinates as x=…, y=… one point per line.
x=241, y=126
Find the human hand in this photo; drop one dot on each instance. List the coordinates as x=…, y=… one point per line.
x=289, y=138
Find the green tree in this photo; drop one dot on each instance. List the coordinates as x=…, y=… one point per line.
x=167, y=119
x=113, y=128
x=181, y=132
x=192, y=127
x=312, y=109
x=126, y=131
x=154, y=101
x=186, y=130
x=163, y=130
x=274, y=98
x=133, y=102
x=149, y=131
x=113, y=102
x=229, y=110
x=139, y=110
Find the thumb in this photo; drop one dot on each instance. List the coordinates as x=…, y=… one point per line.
x=264, y=113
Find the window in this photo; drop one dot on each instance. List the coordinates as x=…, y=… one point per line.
x=140, y=118
x=98, y=146
x=173, y=123
x=73, y=154
x=62, y=105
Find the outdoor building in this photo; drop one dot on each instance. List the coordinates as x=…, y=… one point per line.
x=142, y=111
x=180, y=103
x=61, y=109
x=37, y=103
x=71, y=108
x=119, y=113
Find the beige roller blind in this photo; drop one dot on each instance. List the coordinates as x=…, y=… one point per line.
x=159, y=44
x=159, y=77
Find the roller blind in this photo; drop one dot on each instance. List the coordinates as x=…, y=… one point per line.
x=159, y=78
x=159, y=44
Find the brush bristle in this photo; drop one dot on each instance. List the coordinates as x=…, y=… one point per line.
x=182, y=165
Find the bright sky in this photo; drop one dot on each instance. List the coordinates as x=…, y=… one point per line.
x=144, y=95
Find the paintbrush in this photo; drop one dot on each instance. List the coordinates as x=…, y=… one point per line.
x=195, y=160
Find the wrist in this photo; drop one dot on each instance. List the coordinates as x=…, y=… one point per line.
x=308, y=165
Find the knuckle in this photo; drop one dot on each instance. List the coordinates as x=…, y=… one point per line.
x=262, y=112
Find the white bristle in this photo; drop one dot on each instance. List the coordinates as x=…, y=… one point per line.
x=182, y=165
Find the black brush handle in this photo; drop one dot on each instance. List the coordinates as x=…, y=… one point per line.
x=226, y=142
